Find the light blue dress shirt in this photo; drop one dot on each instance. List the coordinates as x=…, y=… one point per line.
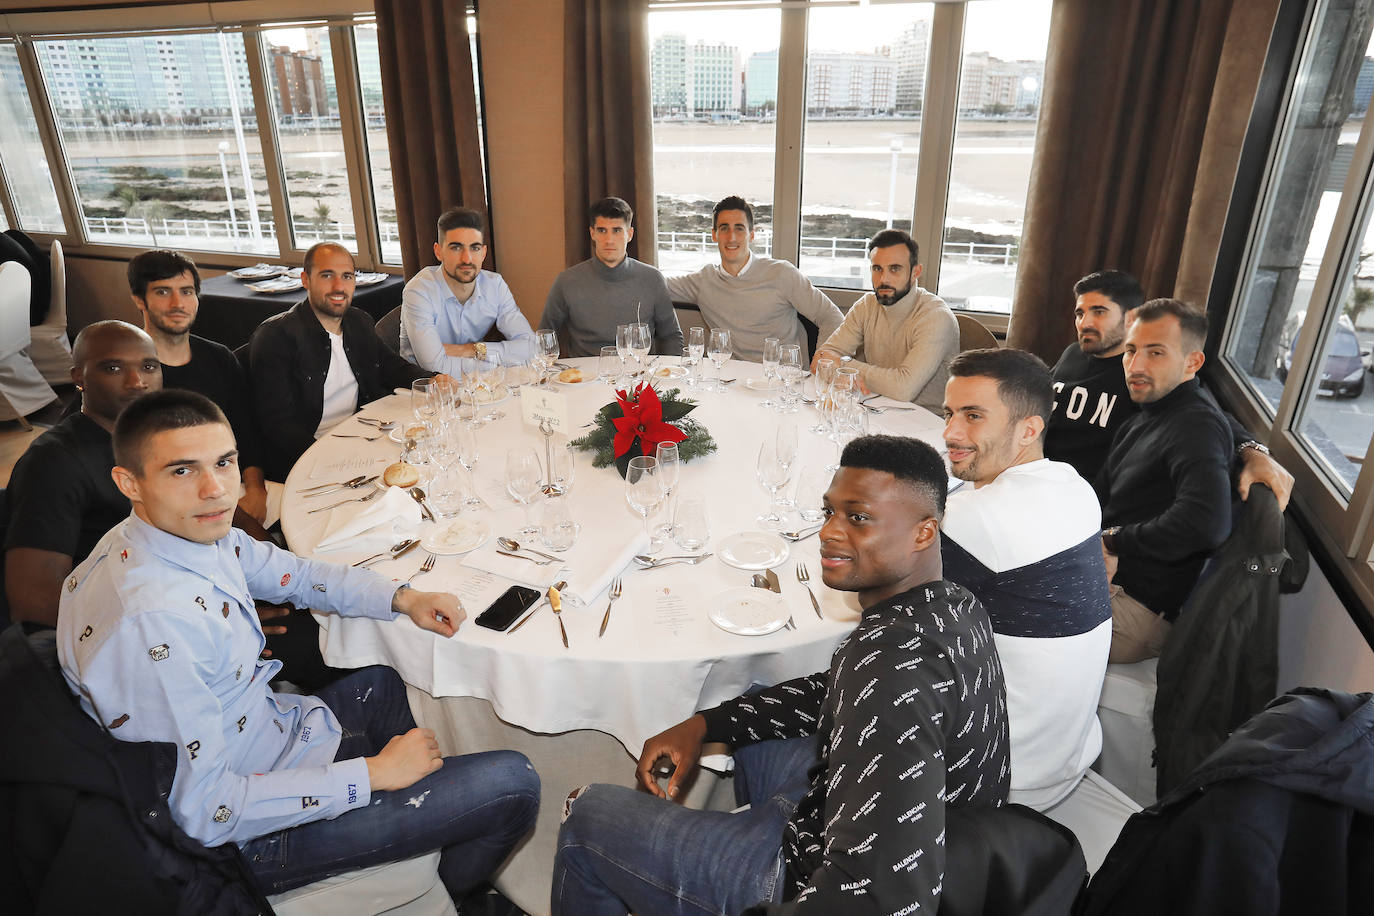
x=432, y=316
x=160, y=638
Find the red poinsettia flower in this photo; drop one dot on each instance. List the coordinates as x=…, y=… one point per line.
x=643, y=421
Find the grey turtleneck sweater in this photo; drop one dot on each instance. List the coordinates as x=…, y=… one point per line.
x=589, y=300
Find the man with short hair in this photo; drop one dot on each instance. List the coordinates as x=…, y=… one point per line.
x=159, y=638
x=905, y=335
x=1092, y=400
x=848, y=772
x=754, y=297
x=61, y=498
x=588, y=301
x=165, y=286
x=448, y=308
x=1022, y=534
x=1164, y=488
x=315, y=364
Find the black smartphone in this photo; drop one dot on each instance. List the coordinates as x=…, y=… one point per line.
x=504, y=610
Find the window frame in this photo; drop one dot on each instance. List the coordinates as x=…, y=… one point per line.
x=23, y=30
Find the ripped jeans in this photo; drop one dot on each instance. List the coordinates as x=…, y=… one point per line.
x=475, y=808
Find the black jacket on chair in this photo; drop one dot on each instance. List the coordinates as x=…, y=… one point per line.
x=1278, y=822
x=84, y=821
x=1220, y=663
x=288, y=359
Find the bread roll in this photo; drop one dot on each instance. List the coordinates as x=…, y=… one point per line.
x=401, y=474
x=570, y=376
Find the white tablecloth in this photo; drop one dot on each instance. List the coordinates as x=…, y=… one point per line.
x=661, y=658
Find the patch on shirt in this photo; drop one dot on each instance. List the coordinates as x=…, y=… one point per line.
x=222, y=815
x=236, y=550
x=239, y=673
x=285, y=579
x=193, y=749
x=118, y=722
x=72, y=583
x=201, y=602
x=84, y=633
x=226, y=617
x=160, y=653
x=243, y=720
x=309, y=801
x=124, y=555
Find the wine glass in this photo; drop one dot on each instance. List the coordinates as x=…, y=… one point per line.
x=719, y=351
x=643, y=491
x=790, y=370
x=422, y=404
x=563, y=470
x=442, y=447
x=623, y=339
x=546, y=350
x=522, y=482
x=771, y=354
x=491, y=378
x=666, y=454
x=696, y=343
x=825, y=378
x=640, y=342
x=773, y=476
x=785, y=448
x=466, y=448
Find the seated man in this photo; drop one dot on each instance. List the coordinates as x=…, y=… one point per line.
x=314, y=365
x=61, y=497
x=165, y=286
x=158, y=637
x=1022, y=535
x=754, y=297
x=906, y=335
x=1091, y=388
x=848, y=772
x=1164, y=487
x=448, y=308
x=588, y=301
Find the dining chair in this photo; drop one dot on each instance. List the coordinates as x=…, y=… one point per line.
x=22, y=388
x=51, y=348
x=973, y=335
x=389, y=329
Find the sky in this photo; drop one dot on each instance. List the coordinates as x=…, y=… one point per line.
x=1009, y=29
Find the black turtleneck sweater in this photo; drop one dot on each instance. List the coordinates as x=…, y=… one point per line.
x=1165, y=483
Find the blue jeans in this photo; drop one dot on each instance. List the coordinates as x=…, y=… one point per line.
x=623, y=850
x=475, y=808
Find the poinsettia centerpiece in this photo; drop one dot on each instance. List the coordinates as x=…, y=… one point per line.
x=637, y=421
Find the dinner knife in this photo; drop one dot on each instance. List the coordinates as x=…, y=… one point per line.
x=521, y=622
x=773, y=582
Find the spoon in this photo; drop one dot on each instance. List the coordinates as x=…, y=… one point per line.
x=419, y=496
x=648, y=562
x=385, y=426
x=510, y=544
x=802, y=534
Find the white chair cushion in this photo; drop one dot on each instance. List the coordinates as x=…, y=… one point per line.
x=407, y=888
x=1128, y=741
x=1095, y=811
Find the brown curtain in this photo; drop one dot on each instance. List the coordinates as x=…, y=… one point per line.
x=1124, y=126
x=607, y=126
x=431, y=119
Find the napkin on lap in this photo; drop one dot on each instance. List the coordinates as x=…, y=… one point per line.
x=373, y=525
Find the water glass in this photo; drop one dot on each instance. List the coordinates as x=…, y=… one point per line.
x=691, y=524
x=690, y=363
x=643, y=492
x=773, y=476
x=557, y=530
x=668, y=470
x=812, y=483
x=522, y=482
x=771, y=355
x=790, y=370
x=610, y=366
x=519, y=375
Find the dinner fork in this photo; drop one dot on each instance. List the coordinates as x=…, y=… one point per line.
x=424, y=568
x=804, y=577
x=615, y=593
x=357, y=499
x=354, y=436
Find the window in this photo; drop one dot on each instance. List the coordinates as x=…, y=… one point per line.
x=863, y=135
x=162, y=141
x=715, y=115
x=378, y=149
x=25, y=168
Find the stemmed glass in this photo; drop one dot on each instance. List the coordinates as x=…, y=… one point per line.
x=773, y=476
x=640, y=342
x=465, y=444
x=668, y=470
x=696, y=350
x=825, y=378
x=522, y=482
x=772, y=352
x=561, y=475
x=785, y=443
x=623, y=338
x=442, y=447
x=790, y=369
x=491, y=379
x=719, y=351
x=643, y=492
x=546, y=350
x=422, y=402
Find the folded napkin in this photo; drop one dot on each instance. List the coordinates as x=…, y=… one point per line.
x=589, y=567
x=373, y=525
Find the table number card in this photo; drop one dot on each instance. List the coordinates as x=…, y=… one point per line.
x=540, y=406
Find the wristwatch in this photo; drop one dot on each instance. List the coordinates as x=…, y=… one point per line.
x=1252, y=444
x=481, y=348
x=1109, y=538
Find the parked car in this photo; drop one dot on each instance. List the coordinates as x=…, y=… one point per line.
x=1345, y=365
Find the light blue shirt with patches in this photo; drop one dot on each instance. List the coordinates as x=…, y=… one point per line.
x=432, y=316
x=160, y=638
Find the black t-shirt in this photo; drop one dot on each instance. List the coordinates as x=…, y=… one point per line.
x=215, y=372
x=1091, y=402
x=61, y=496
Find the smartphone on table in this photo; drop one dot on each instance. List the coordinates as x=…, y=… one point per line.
x=504, y=611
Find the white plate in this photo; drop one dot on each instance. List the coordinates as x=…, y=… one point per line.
x=364, y=278
x=398, y=435
x=257, y=272
x=278, y=285
x=748, y=611
x=457, y=536
x=763, y=384
x=585, y=378
x=753, y=550
x=668, y=373
x=484, y=397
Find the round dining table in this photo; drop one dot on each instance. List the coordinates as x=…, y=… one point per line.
x=582, y=712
